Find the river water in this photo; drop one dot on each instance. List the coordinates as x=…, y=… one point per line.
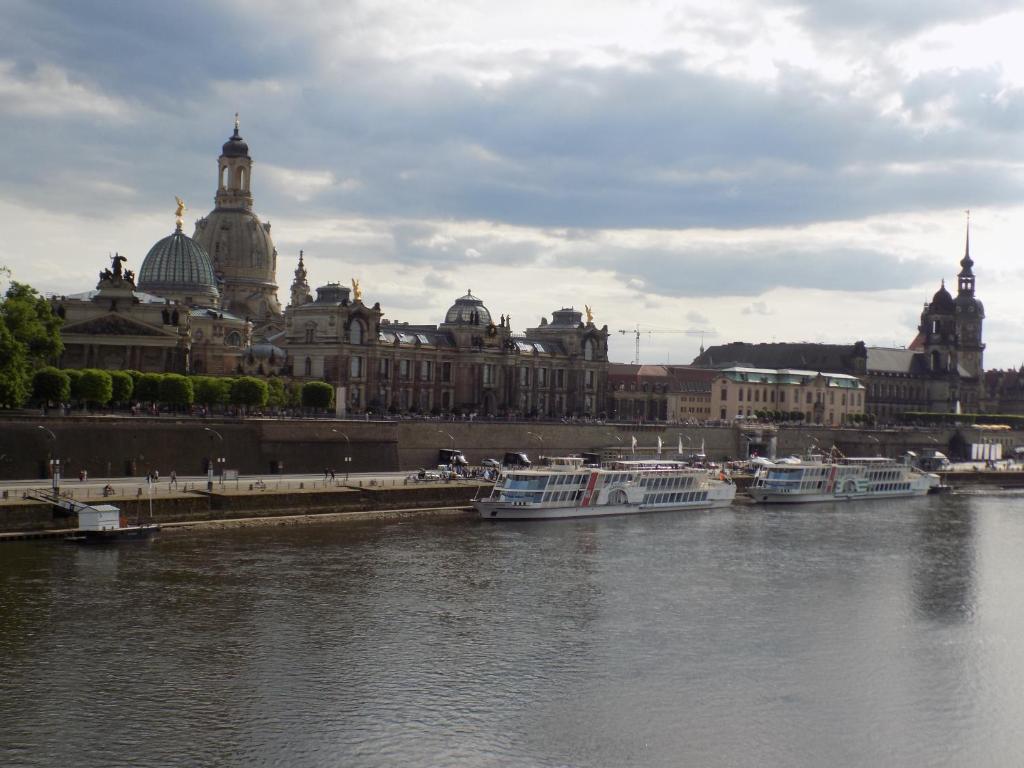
x=861, y=634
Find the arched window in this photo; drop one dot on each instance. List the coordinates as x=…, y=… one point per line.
x=355, y=332
x=220, y=176
x=233, y=339
x=238, y=178
x=588, y=349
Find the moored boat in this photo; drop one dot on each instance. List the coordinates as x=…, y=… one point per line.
x=840, y=479
x=567, y=488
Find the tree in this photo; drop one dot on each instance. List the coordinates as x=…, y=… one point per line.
x=277, y=396
x=317, y=394
x=75, y=377
x=210, y=390
x=29, y=339
x=96, y=386
x=147, y=388
x=248, y=391
x=123, y=384
x=50, y=385
x=176, y=390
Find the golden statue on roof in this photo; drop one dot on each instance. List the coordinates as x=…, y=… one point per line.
x=590, y=314
x=180, y=213
x=357, y=292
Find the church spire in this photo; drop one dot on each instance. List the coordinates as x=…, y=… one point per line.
x=966, y=276
x=300, y=286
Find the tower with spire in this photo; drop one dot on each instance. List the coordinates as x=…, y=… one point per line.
x=300, y=286
x=970, y=313
x=949, y=337
x=239, y=244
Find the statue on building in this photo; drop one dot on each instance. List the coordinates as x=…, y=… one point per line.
x=357, y=292
x=179, y=214
x=590, y=314
x=117, y=260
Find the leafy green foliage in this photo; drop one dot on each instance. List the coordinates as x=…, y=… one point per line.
x=147, y=388
x=29, y=338
x=276, y=394
x=176, y=390
x=75, y=377
x=249, y=391
x=317, y=394
x=123, y=384
x=210, y=390
x=51, y=385
x=95, y=386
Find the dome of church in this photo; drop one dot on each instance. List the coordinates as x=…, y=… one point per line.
x=462, y=311
x=178, y=265
x=235, y=146
x=942, y=301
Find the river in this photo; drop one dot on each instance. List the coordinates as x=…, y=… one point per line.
x=861, y=634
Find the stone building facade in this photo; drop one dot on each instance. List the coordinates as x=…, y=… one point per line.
x=640, y=393
x=939, y=371
x=821, y=398
x=170, y=323
x=470, y=363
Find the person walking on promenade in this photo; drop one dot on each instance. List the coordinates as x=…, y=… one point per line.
x=174, y=480
x=332, y=476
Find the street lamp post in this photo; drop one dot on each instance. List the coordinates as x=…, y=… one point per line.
x=209, y=466
x=348, y=451
x=54, y=462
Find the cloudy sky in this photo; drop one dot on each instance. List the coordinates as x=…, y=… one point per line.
x=757, y=169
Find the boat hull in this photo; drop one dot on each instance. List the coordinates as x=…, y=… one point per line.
x=498, y=510
x=767, y=496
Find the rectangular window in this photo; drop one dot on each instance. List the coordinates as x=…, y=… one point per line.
x=542, y=377
x=488, y=374
x=383, y=369
x=426, y=370
x=524, y=376
x=590, y=380
x=446, y=372
x=403, y=368
x=740, y=396
x=355, y=367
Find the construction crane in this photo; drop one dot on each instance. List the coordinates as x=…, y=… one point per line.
x=688, y=332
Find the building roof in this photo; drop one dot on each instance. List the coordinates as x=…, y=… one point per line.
x=462, y=311
x=825, y=357
x=788, y=376
x=178, y=264
x=893, y=360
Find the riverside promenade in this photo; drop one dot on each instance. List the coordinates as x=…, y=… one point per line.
x=187, y=501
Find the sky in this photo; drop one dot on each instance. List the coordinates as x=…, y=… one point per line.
x=747, y=170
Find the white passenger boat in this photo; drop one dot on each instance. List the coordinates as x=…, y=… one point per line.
x=841, y=479
x=567, y=488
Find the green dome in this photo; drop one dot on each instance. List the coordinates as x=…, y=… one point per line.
x=178, y=265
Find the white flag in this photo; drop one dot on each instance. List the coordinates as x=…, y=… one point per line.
x=633, y=437
x=702, y=446
x=680, y=445
x=659, y=445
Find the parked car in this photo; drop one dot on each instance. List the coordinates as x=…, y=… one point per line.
x=516, y=461
x=491, y=463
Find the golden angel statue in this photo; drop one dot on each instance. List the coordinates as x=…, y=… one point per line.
x=357, y=292
x=180, y=213
x=590, y=314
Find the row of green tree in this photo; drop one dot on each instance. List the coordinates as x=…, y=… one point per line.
x=98, y=388
x=779, y=416
x=928, y=419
